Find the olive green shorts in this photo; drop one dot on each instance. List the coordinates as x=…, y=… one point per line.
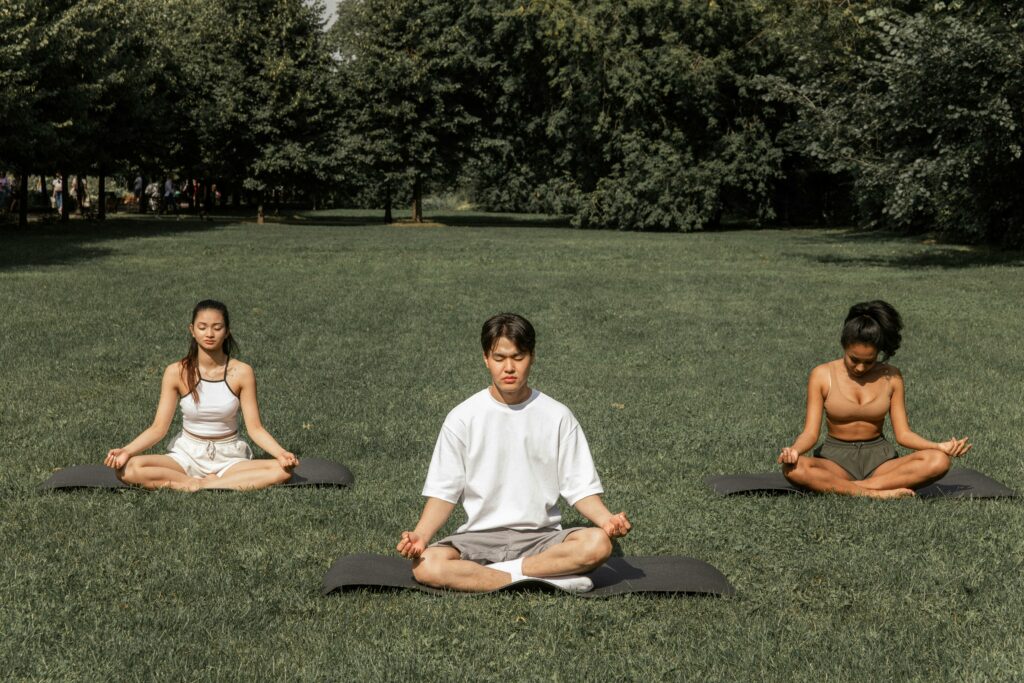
x=859, y=458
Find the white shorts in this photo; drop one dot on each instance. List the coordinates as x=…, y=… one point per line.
x=202, y=457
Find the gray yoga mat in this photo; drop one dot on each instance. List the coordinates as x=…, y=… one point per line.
x=310, y=472
x=617, y=576
x=959, y=482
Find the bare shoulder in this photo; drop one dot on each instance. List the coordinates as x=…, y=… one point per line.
x=820, y=373
x=891, y=372
x=239, y=370
x=173, y=370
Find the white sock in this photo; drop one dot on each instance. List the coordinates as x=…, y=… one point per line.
x=574, y=583
x=513, y=568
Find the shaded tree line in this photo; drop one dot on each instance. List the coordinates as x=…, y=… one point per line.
x=625, y=114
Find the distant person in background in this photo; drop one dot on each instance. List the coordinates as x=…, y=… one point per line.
x=81, y=193
x=855, y=393
x=15, y=203
x=170, y=196
x=209, y=197
x=154, y=196
x=5, y=191
x=58, y=193
x=190, y=194
x=139, y=190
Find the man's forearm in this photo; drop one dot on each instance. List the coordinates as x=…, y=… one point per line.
x=593, y=508
x=435, y=513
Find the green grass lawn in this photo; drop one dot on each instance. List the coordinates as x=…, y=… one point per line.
x=681, y=355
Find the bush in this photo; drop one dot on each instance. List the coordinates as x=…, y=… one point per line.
x=922, y=110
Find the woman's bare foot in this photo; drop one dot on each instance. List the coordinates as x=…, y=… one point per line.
x=886, y=493
x=207, y=482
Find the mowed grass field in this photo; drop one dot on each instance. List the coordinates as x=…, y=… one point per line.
x=681, y=355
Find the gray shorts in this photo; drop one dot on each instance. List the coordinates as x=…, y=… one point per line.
x=859, y=458
x=501, y=545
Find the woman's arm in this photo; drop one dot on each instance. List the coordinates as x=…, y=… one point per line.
x=901, y=425
x=817, y=385
x=245, y=380
x=117, y=457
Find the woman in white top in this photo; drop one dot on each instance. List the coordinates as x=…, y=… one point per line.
x=210, y=386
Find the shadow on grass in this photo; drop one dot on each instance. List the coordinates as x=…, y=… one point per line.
x=500, y=220
x=327, y=221
x=469, y=219
x=928, y=259
x=908, y=252
x=50, y=244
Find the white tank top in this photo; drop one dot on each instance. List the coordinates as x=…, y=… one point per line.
x=217, y=411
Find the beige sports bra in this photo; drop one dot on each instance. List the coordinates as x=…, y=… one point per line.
x=840, y=408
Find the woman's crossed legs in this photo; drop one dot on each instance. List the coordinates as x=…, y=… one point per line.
x=894, y=478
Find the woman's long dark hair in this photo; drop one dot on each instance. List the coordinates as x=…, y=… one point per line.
x=876, y=323
x=190, y=363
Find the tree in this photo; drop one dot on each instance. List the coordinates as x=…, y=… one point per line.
x=18, y=73
x=920, y=104
x=644, y=114
x=407, y=76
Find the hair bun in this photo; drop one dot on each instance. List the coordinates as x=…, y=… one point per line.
x=876, y=323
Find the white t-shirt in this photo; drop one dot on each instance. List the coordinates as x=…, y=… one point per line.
x=507, y=465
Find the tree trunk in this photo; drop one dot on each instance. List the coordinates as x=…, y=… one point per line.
x=388, y=218
x=64, y=197
x=23, y=201
x=101, y=214
x=417, y=200
x=259, y=209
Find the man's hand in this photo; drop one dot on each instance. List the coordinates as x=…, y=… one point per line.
x=617, y=526
x=117, y=458
x=788, y=456
x=411, y=546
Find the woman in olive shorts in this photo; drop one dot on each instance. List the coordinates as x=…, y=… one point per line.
x=856, y=392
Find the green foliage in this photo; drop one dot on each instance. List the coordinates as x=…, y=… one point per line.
x=642, y=115
x=632, y=114
x=20, y=78
x=922, y=106
x=255, y=105
x=408, y=79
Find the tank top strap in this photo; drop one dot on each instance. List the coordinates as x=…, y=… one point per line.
x=226, y=383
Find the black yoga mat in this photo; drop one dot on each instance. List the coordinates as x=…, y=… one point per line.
x=960, y=482
x=617, y=576
x=310, y=472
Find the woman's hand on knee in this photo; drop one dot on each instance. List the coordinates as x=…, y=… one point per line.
x=954, y=448
x=789, y=456
x=287, y=459
x=117, y=458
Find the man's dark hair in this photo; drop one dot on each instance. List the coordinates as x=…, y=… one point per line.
x=511, y=325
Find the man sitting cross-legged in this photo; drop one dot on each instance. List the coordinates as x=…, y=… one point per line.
x=507, y=453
